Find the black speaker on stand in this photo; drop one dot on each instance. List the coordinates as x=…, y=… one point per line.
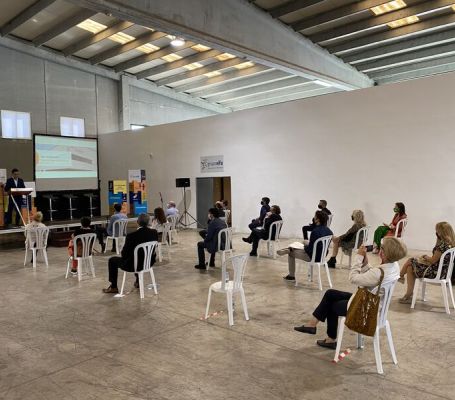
x=184, y=183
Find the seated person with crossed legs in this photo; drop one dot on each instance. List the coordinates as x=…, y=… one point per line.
x=334, y=304
x=126, y=262
x=258, y=233
x=256, y=223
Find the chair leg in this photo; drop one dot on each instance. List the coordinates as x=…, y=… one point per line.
x=160, y=252
x=274, y=249
x=339, y=338
x=319, y=276
x=70, y=260
x=117, y=245
x=327, y=271
x=25, y=258
x=208, y=304
x=414, y=295
x=92, y=266
x=107, y=243
x=45, y=257
x=34, y=255
x=141, y=285
x=444, y=296
x=450, y=289
x=390, y=340
x=245, y=309
x=258, y=251
x=230, y=308
x=377, y=352
x=152, y=275
x=79, y=268
x=424, y=287
x=123, y=283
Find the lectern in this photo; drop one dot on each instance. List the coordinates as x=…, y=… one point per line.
x=19, y=192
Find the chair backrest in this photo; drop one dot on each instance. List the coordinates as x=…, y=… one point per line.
x=37, y=237
x=323, y=243
x=447, y=254
x=361, y=237
x=239, y=266
x=400, y=228
x=119, y=227
x=384, y=305
x=166, y=228
x=148, y=248
x=329, y=220
x=225, y=239
x=227, y=213
x=87, y=241
x=173, y=219
x=275, y=227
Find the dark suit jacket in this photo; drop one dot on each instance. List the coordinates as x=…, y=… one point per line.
x=268, y=222
x=133, y=239
x=211, y=240
x=318, y=231
x=10, y=184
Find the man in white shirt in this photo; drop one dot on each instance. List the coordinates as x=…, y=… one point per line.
x=171, y=210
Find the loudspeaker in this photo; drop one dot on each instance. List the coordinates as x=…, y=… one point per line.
x=182, y=182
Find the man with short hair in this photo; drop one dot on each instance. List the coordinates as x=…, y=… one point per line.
x=255, y=223
x=126, y=262
x=210, y=241
x=101, y=233
x=14, y=182
x=171, y=209
x=322, y=206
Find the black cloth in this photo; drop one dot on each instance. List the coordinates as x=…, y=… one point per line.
x=334, y=304
x=126, y=261
x=211, y=238
x=264, y=210
x=10, y=184
x=258, y=234
x=80, y=231
x=201, y=254
x=318, y=232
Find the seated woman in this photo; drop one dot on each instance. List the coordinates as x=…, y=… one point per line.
x=427, y=266
x=319, y=230
x=347, y=240
x=335, y=302
x=85, y=228
x=37, y=222
x=158, y=220
x=389, y=229
x=263, y=233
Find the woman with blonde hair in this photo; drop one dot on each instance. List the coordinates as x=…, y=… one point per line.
x=427, y=266
x=37, y=221
x=347, y=240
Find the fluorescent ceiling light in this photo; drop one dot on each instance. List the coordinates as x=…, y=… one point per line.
x=192, y=66
x=322, y=83
x=121, y=38
x=224, y=57
x=148, y=48
x=244, y=65
x=200, y=47
x=212, y=74
x=171, y=57
x=176, y=41
x=91, y=26
x=403, y=21
x=388, y=7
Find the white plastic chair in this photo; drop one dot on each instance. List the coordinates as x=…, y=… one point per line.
x=118, y=234
x=224, y=237
x=446, y=283
x=400, y=228
x=272, y=243
x=323, y=242
x=383, y=322
x=165, y=240
x=231, y=287
x=85, y=260
x=173, y=220
x=36, y=241
x=329, y=220
x=148, y=248
x=361, y=238
x=227, y=213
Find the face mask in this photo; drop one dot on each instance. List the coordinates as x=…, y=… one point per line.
x=395, y=209
x=262, y=203
x=320, y=207
x=352, y=218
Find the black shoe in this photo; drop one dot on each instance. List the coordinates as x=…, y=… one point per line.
x=289, y=278
x=103, y=247
x=212, y=265
x=323, y=343
x=136, y=285
x=253, y=254
x=306, y=329
x=247, y=240
x=332, y=262
x=199, y=266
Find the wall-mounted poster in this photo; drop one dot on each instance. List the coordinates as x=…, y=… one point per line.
x=212, y=164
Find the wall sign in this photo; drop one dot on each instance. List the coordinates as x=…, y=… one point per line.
x=212, y=164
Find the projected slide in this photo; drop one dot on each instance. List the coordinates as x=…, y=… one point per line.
x=65, y=163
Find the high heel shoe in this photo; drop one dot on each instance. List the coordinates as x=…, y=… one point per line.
x=406, y=299
x=401, y=279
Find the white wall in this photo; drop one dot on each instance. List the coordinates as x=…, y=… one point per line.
x=365, y=149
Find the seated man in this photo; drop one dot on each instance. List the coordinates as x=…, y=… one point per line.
x=308, y=228
x=263, y=233
x=320, y=230
x=101, y=233
x=85, y=228
x=126, y=262
x=171, y=210
x=265, y=208
x=210, y=241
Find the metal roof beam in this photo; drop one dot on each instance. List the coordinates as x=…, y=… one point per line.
x=63, y=26
x=417, y=73
x=24, y=16
x=166, y=67
x=74, y=48
x=292, y=6
x=145, y=38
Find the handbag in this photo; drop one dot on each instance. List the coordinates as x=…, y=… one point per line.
x=362, y=315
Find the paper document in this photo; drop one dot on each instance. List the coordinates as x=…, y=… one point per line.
x=297, y=245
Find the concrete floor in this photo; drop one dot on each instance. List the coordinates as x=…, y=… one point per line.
x=60, y=339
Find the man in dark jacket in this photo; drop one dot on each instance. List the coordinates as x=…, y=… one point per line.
x=126, y=261
x=210, y=241
x=13, y=183
x=263, y=233
x=322, y=206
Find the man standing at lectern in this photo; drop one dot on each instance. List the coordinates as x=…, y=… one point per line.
x=13, y=183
